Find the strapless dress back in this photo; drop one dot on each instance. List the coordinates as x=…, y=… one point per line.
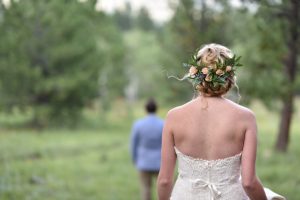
x=200, y=179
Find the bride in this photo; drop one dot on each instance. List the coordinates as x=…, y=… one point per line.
x=213, y=138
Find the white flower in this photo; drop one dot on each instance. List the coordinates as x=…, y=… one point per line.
x=205, y=70
x=219, y=72
x=228, y=68
x=193, y=70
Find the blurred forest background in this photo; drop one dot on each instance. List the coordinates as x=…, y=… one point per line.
x=68, y=69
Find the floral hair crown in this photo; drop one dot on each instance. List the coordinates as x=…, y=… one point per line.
x=215, y=74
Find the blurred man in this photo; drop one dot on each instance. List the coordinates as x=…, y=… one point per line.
x=146, y=147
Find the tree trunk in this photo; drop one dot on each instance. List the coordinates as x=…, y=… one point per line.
x=285, y=124
x=290, y=70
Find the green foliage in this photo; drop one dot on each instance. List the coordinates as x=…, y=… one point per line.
x=124, y=19
x=144, y=69
x=261, y=39
x=127, y=20
x=112, y=77
x=56, y=57
x=144, y=21
x=52, y=53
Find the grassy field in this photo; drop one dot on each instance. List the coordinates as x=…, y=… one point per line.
x=94, y=163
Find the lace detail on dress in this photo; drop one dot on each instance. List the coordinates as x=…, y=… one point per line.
x=208, y=179
x=211, y=162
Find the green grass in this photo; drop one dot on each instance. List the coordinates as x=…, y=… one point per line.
x=66, y=165
x=95, y=163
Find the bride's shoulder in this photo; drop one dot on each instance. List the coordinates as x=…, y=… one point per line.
x=242, y=110
x=178, y=110
x=175, y=110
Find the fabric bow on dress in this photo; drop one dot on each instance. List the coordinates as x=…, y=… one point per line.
x=214, y=192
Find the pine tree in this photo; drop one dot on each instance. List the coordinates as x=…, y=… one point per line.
x=52, y=55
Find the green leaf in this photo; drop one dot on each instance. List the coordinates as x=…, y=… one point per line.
x=186, y=65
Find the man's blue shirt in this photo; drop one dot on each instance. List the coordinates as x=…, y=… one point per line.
x=146, y=143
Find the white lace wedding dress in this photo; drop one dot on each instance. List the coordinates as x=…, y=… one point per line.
x=208, y=179
x=200, y=179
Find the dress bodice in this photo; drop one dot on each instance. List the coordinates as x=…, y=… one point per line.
x=208, y=179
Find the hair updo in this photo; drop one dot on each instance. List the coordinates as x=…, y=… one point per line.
x=210, y=57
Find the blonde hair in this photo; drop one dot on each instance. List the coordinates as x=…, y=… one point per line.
x=209, y=55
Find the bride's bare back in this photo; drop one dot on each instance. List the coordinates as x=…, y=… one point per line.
x=221, y=130
x=214, y=132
